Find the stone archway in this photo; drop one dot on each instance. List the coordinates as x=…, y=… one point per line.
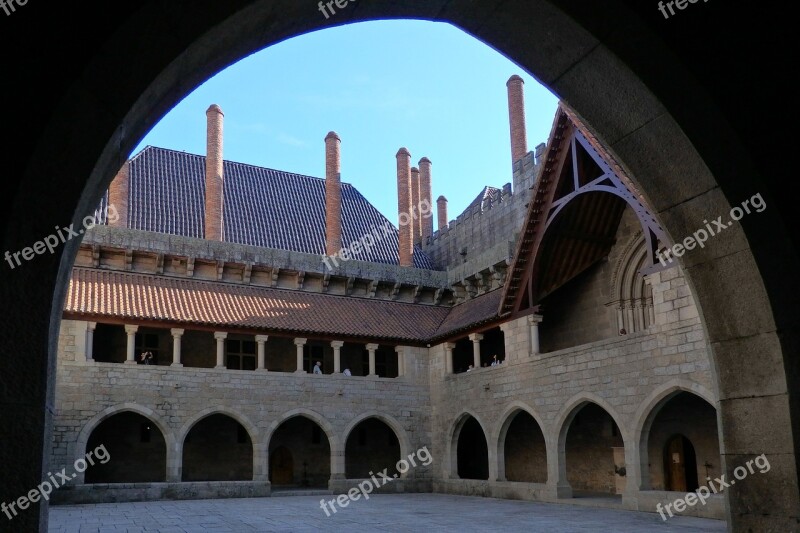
x=94, y=119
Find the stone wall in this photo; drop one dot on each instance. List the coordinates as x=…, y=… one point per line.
x=478, y=229
x=176, y=398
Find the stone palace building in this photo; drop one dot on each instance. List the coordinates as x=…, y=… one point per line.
x=603, y=393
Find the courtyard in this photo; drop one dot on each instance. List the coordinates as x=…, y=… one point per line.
x=391, y=512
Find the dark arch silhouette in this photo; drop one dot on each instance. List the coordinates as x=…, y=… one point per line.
x=524, y=450
x=137, y=450
x=472, y=450
x=371, y=446
x=217, y=448
x=310, y=453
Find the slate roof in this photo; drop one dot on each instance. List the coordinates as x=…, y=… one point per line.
x=133, y=297
x=262, y=206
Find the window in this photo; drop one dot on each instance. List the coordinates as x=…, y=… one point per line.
x=146, y=342
x=311, y=354
x=240, y=355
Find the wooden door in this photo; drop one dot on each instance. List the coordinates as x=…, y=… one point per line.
x=675, y=464
x=281, y=466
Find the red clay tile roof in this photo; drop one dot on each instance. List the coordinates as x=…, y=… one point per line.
x=470, y=313
x=132, y=296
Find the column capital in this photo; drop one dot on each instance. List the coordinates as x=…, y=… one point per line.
x=220, y=335
x=131, y=329
x=372, y=347
x=535, y=319
x=475, y=337
x=505, y=326
x=300, y=341
x=177, y=332
x=449, y=345
x=337, y=344
x=91, y=325
x=400, y=349
x=262, y=338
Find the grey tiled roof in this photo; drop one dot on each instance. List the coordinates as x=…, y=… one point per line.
x=262, y=207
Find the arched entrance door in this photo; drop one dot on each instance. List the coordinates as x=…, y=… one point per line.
x=680, y=465
x=281, y=466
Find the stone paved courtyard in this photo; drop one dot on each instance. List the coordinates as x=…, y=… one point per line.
x=391, y=512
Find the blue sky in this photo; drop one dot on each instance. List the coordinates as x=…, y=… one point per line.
x=380, y=85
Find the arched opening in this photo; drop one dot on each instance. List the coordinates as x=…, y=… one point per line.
x=595, y=453
x=136, y=447
x=472, y=452
x=680, y=466
x=309, y=450
x=371, y=446
x=524, y=450
x=682, y=443
x=217, y=448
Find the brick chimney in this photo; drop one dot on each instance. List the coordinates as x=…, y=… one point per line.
x=118, y=196
x=426, y=197
x=441, y=210
x=516, y=118
x=333, y=194
x=214, y=222
x=406, y=244
x=416, y=227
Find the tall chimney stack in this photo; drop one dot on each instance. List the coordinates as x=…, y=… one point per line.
x=333, y=194
x=406, y=244
x=118, y=196
x=214, y=177
x=516, y=117
x=416, y=228
x=426, y=197
x=441, y=210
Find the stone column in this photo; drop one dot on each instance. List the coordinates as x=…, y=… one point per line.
x=262, y=357
x=629, y=317
x=476, y=349
x=220, y=336
x=620, y=319
x=131, y=332
x=176, y=346
x=337, y=356
x=300, y=342
x=533, y=323
x=401, y=360
x=174, y=462
x=371, y=349
x=640, y=315
x=90, y=327
x=448, y=357
x=557, y=484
